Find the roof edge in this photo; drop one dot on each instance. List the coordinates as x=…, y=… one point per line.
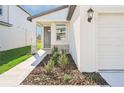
x=23, y=9
x=71, y=11
x=47, y=12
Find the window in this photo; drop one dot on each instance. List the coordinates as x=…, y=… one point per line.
x=61, y=31
x=1, y=10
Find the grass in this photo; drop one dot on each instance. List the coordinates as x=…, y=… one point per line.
x=11, y=64
x=38, y=44
x=11, y=58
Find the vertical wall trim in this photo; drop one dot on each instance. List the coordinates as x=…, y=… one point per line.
x=8, y=13
x=25, y=37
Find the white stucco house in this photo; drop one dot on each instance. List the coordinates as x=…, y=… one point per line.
x=93, y=35
x=95, y=46
x=15, y=30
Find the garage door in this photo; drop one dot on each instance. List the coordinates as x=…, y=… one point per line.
x=110, y=44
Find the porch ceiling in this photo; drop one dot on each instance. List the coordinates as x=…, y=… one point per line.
x=48, y=12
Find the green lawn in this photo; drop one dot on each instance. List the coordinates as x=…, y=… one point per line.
x=10, y=64
x=11, y=58
x=38, y=44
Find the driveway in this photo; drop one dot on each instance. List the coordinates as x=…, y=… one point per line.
x=114, y=79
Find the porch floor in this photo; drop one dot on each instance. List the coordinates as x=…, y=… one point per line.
x=17, y=74
x=48, y=50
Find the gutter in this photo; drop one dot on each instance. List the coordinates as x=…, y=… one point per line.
x=23, y=9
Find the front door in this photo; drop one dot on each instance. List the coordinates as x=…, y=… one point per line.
x=47, y=37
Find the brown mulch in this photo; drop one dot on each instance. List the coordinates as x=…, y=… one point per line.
x=39, y=77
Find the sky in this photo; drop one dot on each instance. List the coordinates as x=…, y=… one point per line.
x=36, y=9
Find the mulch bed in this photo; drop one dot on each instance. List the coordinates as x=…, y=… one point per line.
x=39, y=77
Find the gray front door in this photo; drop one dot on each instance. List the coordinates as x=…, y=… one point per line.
x=47, y=37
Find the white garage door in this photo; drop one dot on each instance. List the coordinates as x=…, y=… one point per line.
x=110, y=41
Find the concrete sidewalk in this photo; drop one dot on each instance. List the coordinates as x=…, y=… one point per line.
x=114, y=79
x=17, y=74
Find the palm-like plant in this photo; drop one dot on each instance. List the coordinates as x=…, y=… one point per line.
x=63, y=59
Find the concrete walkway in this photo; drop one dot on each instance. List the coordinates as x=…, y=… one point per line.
x=17, y=74
x=114, y=79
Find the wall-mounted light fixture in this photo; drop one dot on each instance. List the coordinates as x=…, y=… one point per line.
x=90, y=14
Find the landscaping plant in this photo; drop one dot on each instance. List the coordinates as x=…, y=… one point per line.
x=49, y=66
x=54, y=49
x=63, y=59
x=67, y=78
x=55, y=55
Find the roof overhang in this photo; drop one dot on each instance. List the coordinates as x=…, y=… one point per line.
x=70, y=12
x=47, y=12
x=23, y=9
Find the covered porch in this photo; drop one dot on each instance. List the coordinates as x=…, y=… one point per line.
x=54, y=28
x=54, y=34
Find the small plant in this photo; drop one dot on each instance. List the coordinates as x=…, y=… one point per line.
x=67, y=78
x=55, y=55
x=91, y=76
x=49, y=66
x=63, y=59
x=54, y=49
x=63, y=51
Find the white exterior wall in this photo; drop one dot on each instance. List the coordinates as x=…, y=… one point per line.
x=88, y=36
x=87, y=59
x=74, y=36
x=20, y=34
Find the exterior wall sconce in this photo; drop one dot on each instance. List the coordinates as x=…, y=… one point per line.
x=90, y=14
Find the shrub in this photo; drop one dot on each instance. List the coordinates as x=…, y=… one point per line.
x=54, y=49
x=63, y=51
x=67, y=78
x=63, y=59
x=55, y=55
x=49, y=66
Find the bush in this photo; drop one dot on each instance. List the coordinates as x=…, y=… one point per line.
x=63, y=51
x=54, y=49
x=63, y=59
x=55, y=55
x=49, y=66
x=67, y=78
